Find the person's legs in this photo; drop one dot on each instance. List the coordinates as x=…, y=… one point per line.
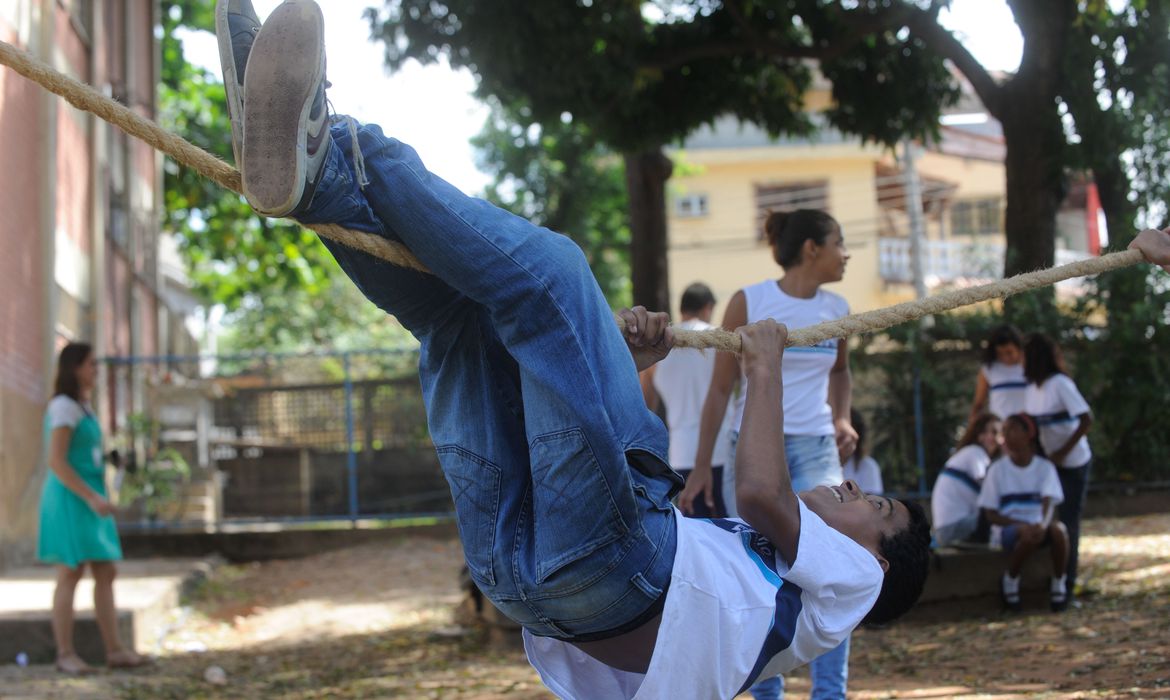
x=106, y=613
x=67, y=580
x=1075, y=483
x=829, y=673
x=1058, y=592
x=768, y=689
x=729, y=504
x=593, y=541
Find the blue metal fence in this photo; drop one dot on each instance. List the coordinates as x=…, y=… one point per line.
x=281, y=438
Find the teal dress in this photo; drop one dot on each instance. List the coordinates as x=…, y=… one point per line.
x=70, y=532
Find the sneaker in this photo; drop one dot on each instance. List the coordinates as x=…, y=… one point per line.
x=1057, y=595
x=285, y=113
x=236, y=27
x=1009, y=589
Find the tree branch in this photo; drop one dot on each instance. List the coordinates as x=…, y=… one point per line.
x=925, y=26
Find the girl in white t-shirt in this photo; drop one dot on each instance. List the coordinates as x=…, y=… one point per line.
x=1063, y=419
x=953, y=501
x=999, y=388
x=1018, y=497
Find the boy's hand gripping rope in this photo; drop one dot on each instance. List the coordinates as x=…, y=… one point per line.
x=86, y=98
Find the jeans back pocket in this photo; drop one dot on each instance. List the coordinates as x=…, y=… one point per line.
x=574, y=511
x=475, y=488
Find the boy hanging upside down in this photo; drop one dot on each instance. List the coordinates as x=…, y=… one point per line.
x=556, y=467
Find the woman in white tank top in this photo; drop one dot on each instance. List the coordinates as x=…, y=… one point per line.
x=810, y=247
x=1000, y=386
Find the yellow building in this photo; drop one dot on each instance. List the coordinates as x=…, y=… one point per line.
x=729, y=175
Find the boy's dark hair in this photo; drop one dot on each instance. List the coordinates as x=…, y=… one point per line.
x=1042, y=358
x=1007, y=334
x=787, y=231
x=1028, y=423
x=72, y=356
x=695, y=298
x=908, y=553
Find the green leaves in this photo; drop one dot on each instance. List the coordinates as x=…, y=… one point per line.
x=558, y=176
x=279, y=285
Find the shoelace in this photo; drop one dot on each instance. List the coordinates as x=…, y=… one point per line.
x=359, y=162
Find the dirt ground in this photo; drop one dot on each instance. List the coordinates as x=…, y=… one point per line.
x=377, y=621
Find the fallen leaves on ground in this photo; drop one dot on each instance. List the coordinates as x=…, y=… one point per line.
x=377, y=621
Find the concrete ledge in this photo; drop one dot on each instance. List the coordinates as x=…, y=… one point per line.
x=967, y=573
x=145, y=591
x=262, y=543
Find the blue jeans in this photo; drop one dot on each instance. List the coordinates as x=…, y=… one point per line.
x=533, y=401
x=1075, y=483
x=812, y=461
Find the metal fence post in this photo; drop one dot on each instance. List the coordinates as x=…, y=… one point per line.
x=350, y=455
x=919, y=440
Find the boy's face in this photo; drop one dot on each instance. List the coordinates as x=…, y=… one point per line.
x=863, y=518
x=1016, y=439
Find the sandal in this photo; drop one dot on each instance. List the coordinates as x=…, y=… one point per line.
x=127, y=660
x=74, y=665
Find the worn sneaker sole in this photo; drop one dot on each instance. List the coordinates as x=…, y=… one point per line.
x=285, y=70
x=231, y=77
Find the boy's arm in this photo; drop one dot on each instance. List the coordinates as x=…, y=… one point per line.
x=649, y=393
x=996, y=518
x=840, y=401
x=763, y=488
x=1045, y=511
x=648, y=335
x=1155, y=246
x=1059, y=455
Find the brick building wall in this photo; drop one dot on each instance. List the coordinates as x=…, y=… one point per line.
x=79, y=231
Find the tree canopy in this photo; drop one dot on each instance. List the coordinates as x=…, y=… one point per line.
x=279, y=285
x=644, y=74
x=557, y=176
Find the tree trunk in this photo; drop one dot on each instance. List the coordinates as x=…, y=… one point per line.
x=1035, y=186
x=646, y=175
x=1035, y=140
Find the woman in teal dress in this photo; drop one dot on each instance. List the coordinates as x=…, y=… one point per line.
x=77, y=524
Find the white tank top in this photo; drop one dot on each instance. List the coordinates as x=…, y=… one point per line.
x=806, y=370
x=682, y=380
x=1006, y=387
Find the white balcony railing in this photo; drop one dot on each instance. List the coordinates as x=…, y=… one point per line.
x=946, y=262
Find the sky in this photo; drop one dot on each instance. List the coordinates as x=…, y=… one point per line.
x=432, y=107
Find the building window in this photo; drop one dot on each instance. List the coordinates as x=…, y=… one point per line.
x=689, y=206
x=977, y=217
x=813, y=194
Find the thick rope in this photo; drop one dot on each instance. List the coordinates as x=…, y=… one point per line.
x=88, y=99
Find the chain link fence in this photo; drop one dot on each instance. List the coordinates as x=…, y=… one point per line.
x=277, y=438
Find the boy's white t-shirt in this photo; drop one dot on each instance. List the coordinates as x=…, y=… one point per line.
x=1005, y=388
x=735, y=612
x=806, y=369
x=956, y=490
x=866, y=473
x=1057, y=406
x=1018, y=492
x=682, y=379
